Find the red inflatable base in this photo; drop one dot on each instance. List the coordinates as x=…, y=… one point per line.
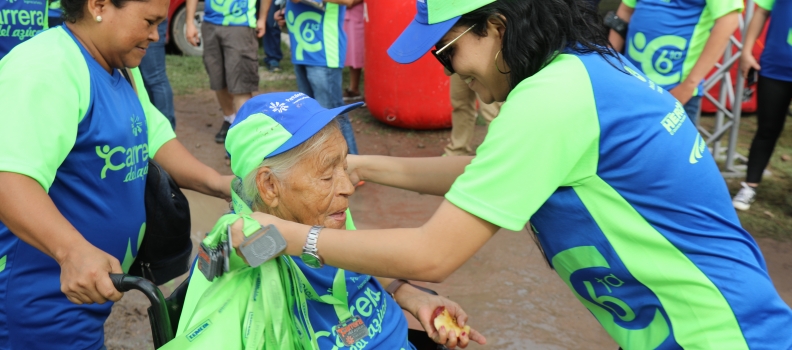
x=412, y=96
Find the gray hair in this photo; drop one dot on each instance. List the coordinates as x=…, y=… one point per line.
x=280, y=167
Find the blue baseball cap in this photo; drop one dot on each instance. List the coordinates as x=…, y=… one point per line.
x=270, y=124
x=420, y=36
x=433, y=20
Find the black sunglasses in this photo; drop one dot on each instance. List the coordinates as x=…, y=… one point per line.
x=444, y=56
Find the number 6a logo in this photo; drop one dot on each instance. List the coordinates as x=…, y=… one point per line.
x=659, y=70
x=604, y=307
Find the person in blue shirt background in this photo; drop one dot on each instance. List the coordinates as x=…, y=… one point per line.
x=20, y=21
x=229, y=34
x=155, y=77
x=55, y=13
x=272, y=39
x=318, y=48
x=774, y=90
x=675, y=43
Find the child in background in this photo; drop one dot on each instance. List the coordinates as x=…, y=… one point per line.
x=353, y=27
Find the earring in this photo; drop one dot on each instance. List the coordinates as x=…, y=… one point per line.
x=99, y=19
x=496, y=64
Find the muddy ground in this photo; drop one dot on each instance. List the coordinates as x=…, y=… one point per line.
x=507, y=288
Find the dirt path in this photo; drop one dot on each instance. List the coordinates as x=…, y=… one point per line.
x=506, y=288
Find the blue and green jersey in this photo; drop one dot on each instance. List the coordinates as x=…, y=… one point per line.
x=666, y=37
x=317, y=37
x=366, y=298
x=88, y=146
x=20, y=20
x=386, y=323
x=776, y=60
x=231, y=13
x=629, y=207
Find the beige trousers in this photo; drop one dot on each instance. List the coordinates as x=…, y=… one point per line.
x=463, y=118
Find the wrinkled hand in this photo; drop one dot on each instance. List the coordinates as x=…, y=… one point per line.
x=280, y=17
x=192, y=34
x=684, y=91
x=85, y=275
x=422, y=305
x=261, y=27
x=746, y=63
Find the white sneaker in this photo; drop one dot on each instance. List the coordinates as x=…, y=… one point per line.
x=745, y=197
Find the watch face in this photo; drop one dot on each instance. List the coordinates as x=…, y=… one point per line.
x=311, y=261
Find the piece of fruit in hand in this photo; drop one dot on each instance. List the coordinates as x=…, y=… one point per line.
x=442, y=318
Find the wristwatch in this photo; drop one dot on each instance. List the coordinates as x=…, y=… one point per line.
x=310, y=256
x=394, y=286
x=613, y=21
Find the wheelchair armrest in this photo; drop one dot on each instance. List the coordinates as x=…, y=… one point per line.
x=175, y=302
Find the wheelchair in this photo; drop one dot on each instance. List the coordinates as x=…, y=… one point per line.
x=164, y=312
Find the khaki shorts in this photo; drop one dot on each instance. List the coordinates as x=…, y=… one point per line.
x=231, y=57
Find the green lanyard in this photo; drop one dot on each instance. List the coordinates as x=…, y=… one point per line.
x=339, y=297
x=300, y=286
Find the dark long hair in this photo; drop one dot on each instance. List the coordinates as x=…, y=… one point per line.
x=539, y=30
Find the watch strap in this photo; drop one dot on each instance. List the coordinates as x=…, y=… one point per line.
x=618, y=25
x=310, y=254
x=313, y=237
x=394, y=286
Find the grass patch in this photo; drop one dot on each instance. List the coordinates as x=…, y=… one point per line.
x=187, y=74
x=771, y=215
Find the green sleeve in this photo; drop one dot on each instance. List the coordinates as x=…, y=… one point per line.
x=538, y=143
x=630, y=3
x=720, y=8
x=765, y=4
x=45, y=88
x=159, y=128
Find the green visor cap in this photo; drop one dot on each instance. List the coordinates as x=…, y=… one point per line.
x=270, y=124
x=443, y=10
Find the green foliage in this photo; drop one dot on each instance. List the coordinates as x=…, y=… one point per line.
x=187, y=74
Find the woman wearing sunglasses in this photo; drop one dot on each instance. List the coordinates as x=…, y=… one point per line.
x=625, y=201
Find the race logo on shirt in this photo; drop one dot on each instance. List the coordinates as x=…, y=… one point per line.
x=21, y=20
x=372, y=307
x=661, y=59
x=674, y=119
x=603, y=289
x=232, y=8
x=134, y=158
x=307, y=29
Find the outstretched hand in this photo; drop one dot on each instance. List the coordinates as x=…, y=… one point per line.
x=422, y=305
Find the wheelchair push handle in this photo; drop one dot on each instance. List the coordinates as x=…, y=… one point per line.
x=158, y=311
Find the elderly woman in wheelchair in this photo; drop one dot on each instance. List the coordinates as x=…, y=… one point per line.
x=290, y=159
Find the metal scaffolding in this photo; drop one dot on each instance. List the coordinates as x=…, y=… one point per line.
x=728, y=104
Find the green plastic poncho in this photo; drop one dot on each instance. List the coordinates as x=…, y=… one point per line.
x=246, y=308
